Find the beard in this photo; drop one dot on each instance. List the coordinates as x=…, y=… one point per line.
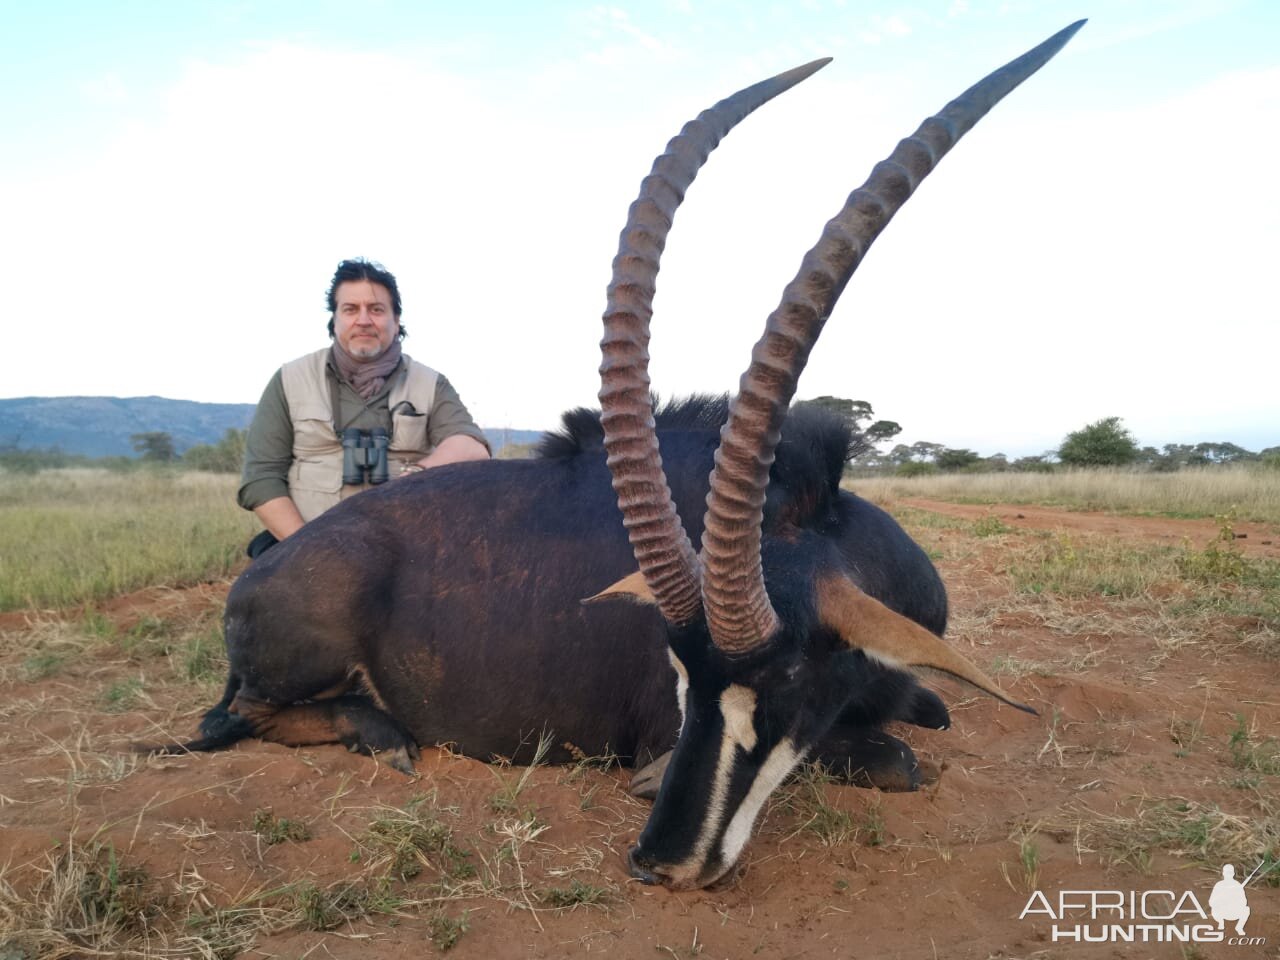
x=370, y=352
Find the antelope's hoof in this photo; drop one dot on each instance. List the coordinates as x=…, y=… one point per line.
x=648, y=779
x=401, y=759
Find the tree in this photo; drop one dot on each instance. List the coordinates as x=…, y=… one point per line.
x=1224, y=452
x=900, y=454
x=953, y=459
x=853, y=411
x=1105, y=443
x=225, y=456
x=872, y=462
x=1178, y=455
x=856, y=413
x=1032, y=464
x=914, y=468
x=922, y=451
x=155, y=447
x=883, y=430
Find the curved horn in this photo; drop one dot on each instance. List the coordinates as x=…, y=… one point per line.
x=866, y=624
x=661, y=546
x=739, y=614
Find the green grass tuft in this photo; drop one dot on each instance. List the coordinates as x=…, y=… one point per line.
x=122, y=695
x=1248, y=754
x=40, y=666
x=990, y=526
x=273, y=829
x=577, y=893
x=445, y=931
x=414, y=838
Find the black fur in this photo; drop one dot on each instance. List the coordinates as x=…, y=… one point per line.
x=457, y=593
x=580, y=429
x=803, y=481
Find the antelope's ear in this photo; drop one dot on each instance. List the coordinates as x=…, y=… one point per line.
x=631, y=588
x=868, y=625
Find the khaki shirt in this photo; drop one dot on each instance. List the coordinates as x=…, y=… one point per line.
x=269, y=453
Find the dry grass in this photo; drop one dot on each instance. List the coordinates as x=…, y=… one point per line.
x=79, y=535
x=403, y=842
x=185, y=650
x=1254, y=493
x=1185, y=591
x=87, y=900
x=813, y=801
x=1193, y=829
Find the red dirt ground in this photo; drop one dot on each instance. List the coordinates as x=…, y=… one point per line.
x=1253, y=539
x=1127, y=723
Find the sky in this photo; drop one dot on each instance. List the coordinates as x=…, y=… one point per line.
x=179, y=180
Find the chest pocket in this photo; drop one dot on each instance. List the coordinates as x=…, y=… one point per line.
x=409, y=432
x=313, y=434
x=317, y=454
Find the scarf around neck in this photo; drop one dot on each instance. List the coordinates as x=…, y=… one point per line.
x=366, y=376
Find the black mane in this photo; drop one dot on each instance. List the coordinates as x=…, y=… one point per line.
x=806, y=471
x=580, y=430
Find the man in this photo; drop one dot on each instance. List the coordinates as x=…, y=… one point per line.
x=294, y=460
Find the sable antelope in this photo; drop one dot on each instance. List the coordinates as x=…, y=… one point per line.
x=448, y=606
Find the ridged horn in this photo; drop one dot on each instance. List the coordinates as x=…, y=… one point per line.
x=739, y=614
x=658, y=539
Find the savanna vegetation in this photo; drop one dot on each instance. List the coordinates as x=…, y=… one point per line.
x=1247, y=492
x=1104, y=443
x=71, y=536
x=1154, y=761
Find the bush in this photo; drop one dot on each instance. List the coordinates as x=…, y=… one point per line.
x=1032, y=465
x=1105, y=443
x=916, y=469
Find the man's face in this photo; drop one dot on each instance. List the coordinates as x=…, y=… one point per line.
x=363, y=323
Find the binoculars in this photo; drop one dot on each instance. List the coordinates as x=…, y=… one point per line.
x=364, y=451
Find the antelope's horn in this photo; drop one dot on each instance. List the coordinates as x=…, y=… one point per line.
x=739, y=614
x=661, y=546
x=868, y=625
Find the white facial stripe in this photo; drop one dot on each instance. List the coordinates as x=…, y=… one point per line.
x=682, y=683
x=782, y=759
x=738, y=706
x=692, y=867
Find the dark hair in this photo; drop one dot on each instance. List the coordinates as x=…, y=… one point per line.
x=362, y=269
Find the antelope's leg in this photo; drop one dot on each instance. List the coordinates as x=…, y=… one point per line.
x=869, y=757
x=352, y=720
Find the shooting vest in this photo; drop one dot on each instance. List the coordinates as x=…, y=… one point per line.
x=315, y=478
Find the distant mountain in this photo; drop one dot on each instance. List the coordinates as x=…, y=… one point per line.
x=101, y=426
